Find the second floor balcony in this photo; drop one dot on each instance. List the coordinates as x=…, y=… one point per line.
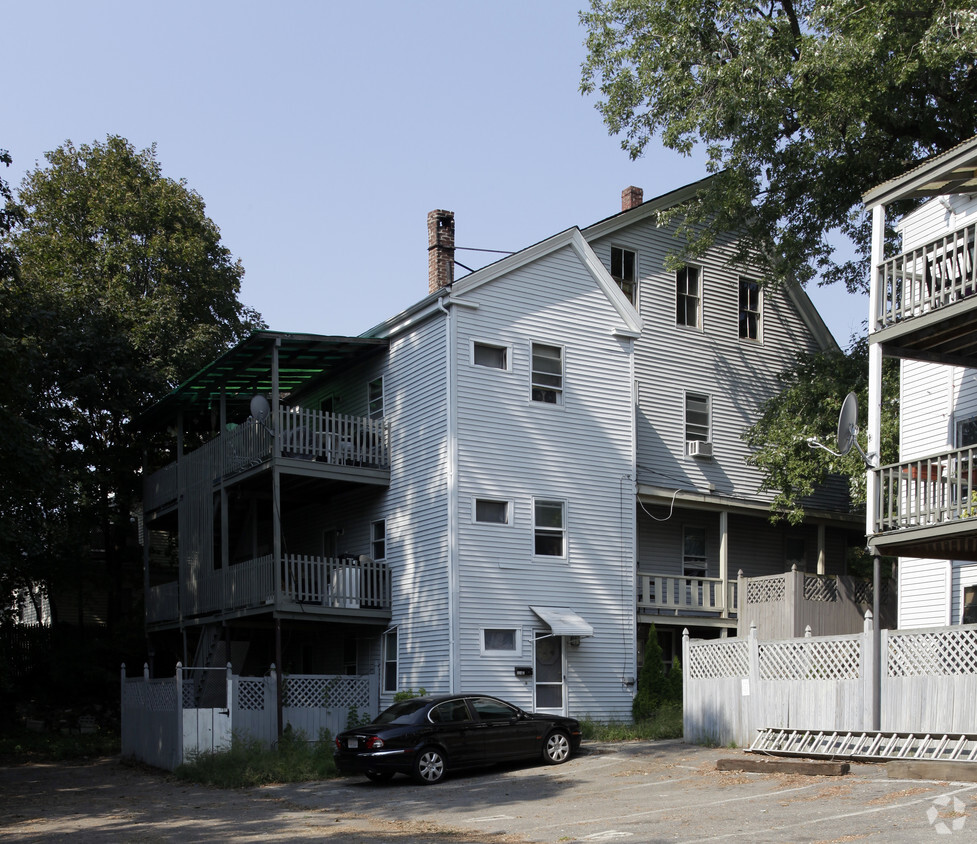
x=305, y=440
x=926, y=302
x=928, y=507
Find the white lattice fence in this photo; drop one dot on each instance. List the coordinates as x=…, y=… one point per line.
x=826, y=658
x=929, y=680
x=721, y=658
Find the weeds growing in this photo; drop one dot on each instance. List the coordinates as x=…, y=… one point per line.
x=249, y=762
x=665, y=723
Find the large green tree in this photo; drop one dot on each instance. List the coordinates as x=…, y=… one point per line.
x=807, y=407
x=122, y=289
x=800, y=105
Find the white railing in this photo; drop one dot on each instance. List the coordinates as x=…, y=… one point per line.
x=927, y=491
x=689, y=594
x=929, y=277
x=337, y=583
x=333, y=438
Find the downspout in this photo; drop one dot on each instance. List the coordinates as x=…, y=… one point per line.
x=452, y=495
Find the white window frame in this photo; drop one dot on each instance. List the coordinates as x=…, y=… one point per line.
x=505, y=348
x=489, y=499
x=622, y=278
x=696, y=562
x=743, y=314
x=514, y=651
x=959, y=425
x=546, y=530
x=386, y=662
x=538, y=378
x=378, y=540
x=684, y=297
x=695, y=434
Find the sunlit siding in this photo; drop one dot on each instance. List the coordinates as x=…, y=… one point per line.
x=934, y=219
x=513, y=449
x=737, y=374
x=415, y=505
x=924, y=592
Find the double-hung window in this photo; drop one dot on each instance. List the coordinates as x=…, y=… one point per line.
x=698, y=413
x=547, y=374
x=549, y=528
x=375, y=398
x=749, y=313
x=624, y=271
x=688, y=297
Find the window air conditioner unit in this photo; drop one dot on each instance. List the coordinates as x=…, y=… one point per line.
x=698, y=448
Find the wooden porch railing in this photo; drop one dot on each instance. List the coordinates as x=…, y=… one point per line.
x=927, y=491
x=929, y=277
x=337, y=583
x=333, y=438
x=686, y=594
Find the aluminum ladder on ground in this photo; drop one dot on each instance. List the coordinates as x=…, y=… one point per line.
x=868, y=745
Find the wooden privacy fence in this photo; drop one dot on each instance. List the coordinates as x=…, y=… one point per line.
x=927, y=683
x=166, y=720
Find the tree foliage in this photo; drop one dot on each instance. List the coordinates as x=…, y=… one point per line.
x=808, y=406
x=801, y=105
x=121, y=288
x=655, y=687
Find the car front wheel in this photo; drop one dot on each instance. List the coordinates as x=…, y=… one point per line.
x=556, y=748
x=429, y=766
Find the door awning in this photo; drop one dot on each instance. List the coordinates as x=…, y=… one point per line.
x=563, y=621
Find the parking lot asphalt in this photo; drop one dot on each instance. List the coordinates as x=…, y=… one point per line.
x=657, y=792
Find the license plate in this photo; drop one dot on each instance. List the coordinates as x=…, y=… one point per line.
x=353, y=743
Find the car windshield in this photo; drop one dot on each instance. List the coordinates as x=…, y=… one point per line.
x=404, y=712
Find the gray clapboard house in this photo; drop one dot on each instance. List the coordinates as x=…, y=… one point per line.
x=492, y=490
x=923, y=302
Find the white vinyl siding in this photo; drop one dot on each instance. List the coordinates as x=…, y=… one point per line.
x=508, y=449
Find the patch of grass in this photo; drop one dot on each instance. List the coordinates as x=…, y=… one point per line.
x=665, y=723
x=19, y=745
x=250, y=762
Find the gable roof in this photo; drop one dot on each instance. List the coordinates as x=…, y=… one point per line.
x=455, y=294
x=954, y=171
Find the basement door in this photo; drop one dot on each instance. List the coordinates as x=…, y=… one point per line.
x=549, y=674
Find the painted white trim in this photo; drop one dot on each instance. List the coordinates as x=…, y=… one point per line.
x=509, y=510
x=514, y=652
x=478, y=341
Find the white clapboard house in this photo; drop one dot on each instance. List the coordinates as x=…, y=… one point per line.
x=496, y=489
x=924, y=313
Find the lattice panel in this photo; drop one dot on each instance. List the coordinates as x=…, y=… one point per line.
x=251, y=694
x=810, y=659
x=823, y=589
x=719, y=659
x=326, y=692
x=766, y=590
x=862, y=592
x=940, y=653
x=155, y=696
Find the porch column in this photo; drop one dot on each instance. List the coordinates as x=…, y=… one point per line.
x=276, y=481
x=874, y=371
x=724, y=561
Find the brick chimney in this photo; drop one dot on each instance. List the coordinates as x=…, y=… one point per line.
x=631, y=197
x=440, y=250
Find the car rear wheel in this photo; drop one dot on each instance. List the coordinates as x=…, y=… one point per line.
x=429, y=766
x=380, y=776
x=556, y=748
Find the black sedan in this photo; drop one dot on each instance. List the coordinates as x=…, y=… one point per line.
x=427, y=736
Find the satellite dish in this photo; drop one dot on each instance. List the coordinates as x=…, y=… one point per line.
x=848, y=423
x=260, y=409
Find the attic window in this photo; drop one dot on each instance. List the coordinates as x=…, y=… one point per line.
x=623, y=271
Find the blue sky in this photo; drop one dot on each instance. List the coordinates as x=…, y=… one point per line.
x=320, y=134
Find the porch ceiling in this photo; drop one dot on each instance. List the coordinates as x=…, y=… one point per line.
x=246, y=370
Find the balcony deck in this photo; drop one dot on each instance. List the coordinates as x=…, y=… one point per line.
x=704, y=601
x=927, y=506
x=345, y=589
x=927, y=303
x=311, y=442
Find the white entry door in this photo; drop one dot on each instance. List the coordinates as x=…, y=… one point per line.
x=549, y=674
